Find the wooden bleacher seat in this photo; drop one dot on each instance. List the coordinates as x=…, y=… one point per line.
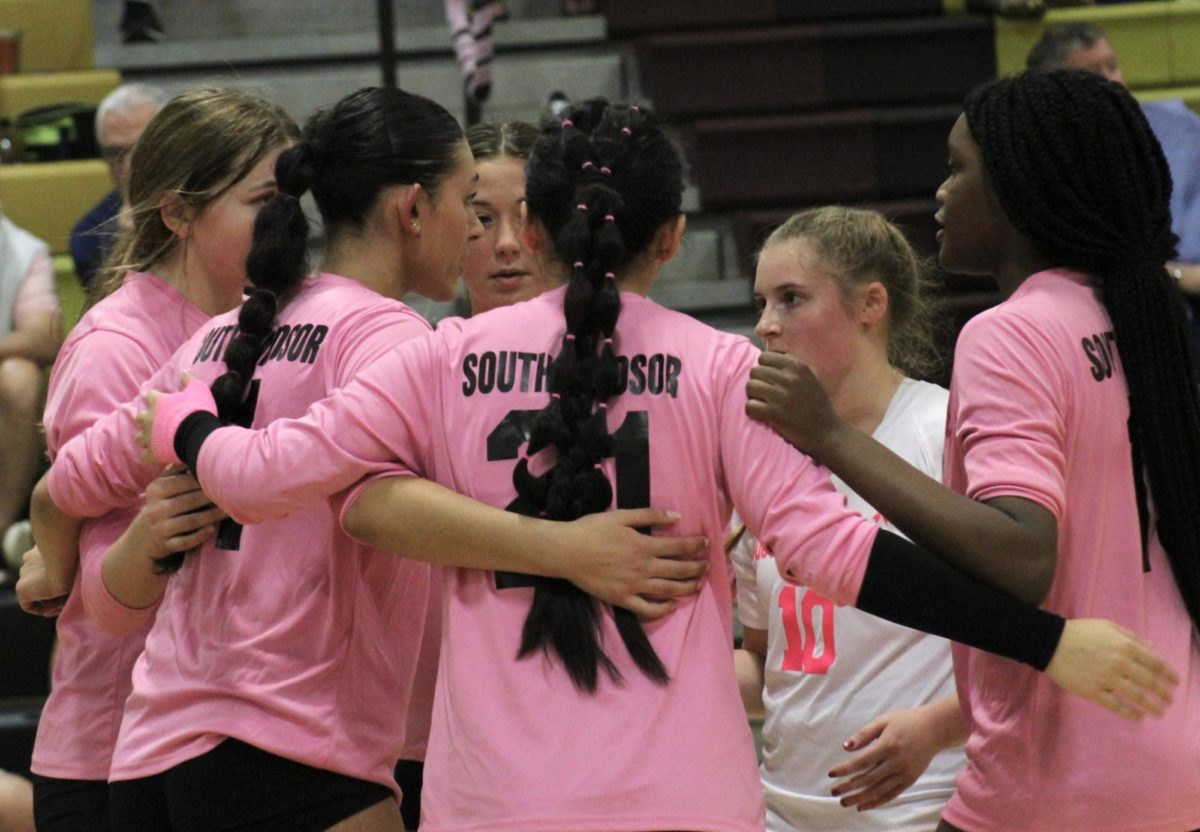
x=71, y=294
x=26, y=91
x=855, y=9
x=55, y=34
x=634, y=16
x=751, y=227
x=48, y=198
x=836, y=156
x=781, y=69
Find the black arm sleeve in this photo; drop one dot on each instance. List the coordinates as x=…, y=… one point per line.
x=908, y=585
x=191, y=434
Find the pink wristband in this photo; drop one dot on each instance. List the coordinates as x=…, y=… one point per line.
x=171, y=410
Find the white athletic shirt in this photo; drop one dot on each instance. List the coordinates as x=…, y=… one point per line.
x=829, y=671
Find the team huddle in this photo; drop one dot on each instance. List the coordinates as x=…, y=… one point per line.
x=323, y=562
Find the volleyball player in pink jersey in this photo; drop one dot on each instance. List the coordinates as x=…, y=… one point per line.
x=553, y=712
x=500, y=269
x=201, y=172
x=1073, y=439
x=285, y=698
x=288, y=704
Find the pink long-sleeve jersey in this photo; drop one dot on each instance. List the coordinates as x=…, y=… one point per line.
x=292, y=637
x=113, y=349
x=1038, y=410
x=514, y=745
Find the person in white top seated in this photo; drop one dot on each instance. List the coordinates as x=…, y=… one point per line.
x=30, y=335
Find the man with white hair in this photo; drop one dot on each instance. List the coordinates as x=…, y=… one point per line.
x=1085, y=46
x=120, y=119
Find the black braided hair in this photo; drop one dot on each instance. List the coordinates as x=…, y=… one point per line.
x=371, y=139
x=602, y=184
x=1078, y=171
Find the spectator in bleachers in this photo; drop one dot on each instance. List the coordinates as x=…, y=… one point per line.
x=120, y=119
x=1084, y=46
x=30, y=335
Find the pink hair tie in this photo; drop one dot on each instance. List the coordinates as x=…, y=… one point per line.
x=609, y=218
x=602, y=405
x=570, y=336
x=555, y=396
x=633, y=108
x=587, y=166
x=607, y=341
x=581, y=207
x=610, y=275
x=567, y=123
x=578, y=264
x=607, y=171
x=626, y=131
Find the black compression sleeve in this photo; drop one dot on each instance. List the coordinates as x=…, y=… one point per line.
x=190, y=435
x=908, y=585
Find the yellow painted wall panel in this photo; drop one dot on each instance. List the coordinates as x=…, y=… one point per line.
x=48, y=198
x=1185, y=42
x=55, y=34
x=26, y=91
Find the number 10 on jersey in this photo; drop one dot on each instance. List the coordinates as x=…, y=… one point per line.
x=808, y=630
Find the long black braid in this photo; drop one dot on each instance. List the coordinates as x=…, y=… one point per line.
x=371, y=139
x=1078, y=171
x=602, y=184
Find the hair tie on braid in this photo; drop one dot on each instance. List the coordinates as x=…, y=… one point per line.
x=555, y=395
x=581, y=207
x=626, y=131
x=562, y=622
x=566, y=122
x=633, y=108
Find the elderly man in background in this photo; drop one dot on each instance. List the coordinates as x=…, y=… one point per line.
x=120, y=119
x=1084, y=46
